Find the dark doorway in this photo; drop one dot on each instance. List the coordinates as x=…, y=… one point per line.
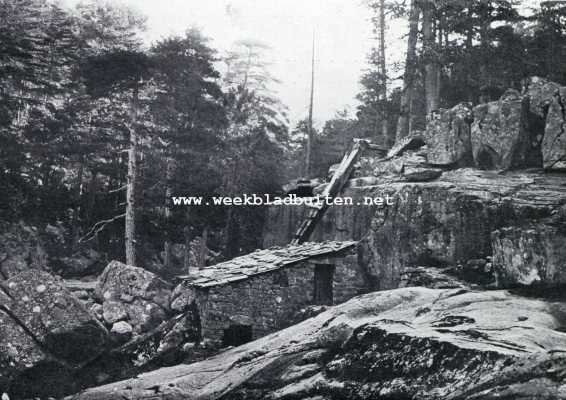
x=487, y=158
x=237, y=335
x=323, y=277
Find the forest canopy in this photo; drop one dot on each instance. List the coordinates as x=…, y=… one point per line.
x=98, y=129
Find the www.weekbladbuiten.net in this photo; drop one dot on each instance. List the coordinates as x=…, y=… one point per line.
x=247, y=200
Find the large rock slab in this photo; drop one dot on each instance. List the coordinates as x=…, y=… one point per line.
x=54, y=317
x=448, y=137
x=405, y=343
x=501, y=135
x=45, y=335
x=530, y=255
x=554, y=142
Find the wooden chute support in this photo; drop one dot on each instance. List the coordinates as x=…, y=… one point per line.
x=339, y=179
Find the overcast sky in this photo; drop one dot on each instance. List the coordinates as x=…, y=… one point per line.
x=343, y=39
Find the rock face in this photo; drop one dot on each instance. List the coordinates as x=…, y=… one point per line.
x=442, y=223
x=400, y=344
x=541, y=93
x=530, y=255
x=134, y=295
x=501, y=135
x=45, y=335
x=554, y=142
x=449, y=137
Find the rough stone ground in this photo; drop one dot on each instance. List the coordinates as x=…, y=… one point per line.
x=400, y=344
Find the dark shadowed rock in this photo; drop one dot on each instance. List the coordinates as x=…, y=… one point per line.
x=554, y=142
x=400, y=344
x=448, y=137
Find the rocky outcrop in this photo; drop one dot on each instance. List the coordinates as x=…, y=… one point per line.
x=405, y=343
x=45, y=335
x=501, y=135
x=541, y=93
x=449, y=222
x=443, y=223
x=530, y=255
x=448, y=137
x=554, y=142
x=133, y=295
x=390, y=167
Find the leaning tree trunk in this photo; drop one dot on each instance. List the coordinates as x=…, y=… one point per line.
x=403, y=123
x=130, y=226
x=430, y=59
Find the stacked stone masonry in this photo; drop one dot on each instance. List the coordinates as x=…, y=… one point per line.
x=267, y=302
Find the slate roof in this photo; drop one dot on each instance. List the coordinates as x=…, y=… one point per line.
x=262, y=261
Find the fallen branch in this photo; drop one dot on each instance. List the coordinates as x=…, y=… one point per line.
x=118, y=190
x=98, y=227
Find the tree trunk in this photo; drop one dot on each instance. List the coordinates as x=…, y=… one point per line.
x=203, y=251
x=92, y=188
x=308, y=158
x=130, y=226
x=485, y=84
x=187, y=235
x=430, y=58
x=170, y=168
x=403, y=124
x=383, y=68
x=77, y=209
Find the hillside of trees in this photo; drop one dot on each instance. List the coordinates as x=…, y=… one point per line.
x=99, y=130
